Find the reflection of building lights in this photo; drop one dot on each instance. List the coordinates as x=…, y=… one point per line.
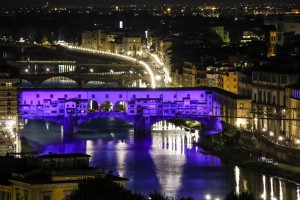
x=158, y=77
x=208, y=197
x=264, y=194
x=237, y=179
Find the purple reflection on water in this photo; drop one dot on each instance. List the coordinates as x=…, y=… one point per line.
x=164, y=161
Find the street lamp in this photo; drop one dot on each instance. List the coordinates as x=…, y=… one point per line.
x=280, y=138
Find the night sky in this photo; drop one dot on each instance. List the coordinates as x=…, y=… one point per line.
x=4, y=3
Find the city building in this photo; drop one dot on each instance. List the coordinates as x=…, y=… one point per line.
x=113, y=40
x=224, y=35
x=9, y=110
x=231, y=80
x=91, y=39
x=235, y=109
x=189, y=75
x=270, y=99
x=132, y=46
x=293, y=113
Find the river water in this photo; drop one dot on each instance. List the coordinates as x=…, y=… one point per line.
x=166, y=161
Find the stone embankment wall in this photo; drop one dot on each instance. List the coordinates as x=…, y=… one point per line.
x=283, y=153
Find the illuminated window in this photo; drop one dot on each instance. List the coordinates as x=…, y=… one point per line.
x=46, y=196
x=25, y=195
x=106, y=96
x=51, y=95
x=93, y=96
x=120, y=95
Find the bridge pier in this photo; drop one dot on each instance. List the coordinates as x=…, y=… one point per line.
x=69, y=125
x=36, y=84
x=142, y=125
x=81, y=83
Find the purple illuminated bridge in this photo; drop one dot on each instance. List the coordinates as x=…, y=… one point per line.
x=142, y=107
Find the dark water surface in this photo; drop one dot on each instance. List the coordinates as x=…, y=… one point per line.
x=166, y=161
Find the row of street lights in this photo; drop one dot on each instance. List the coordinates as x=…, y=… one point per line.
x=128, y=58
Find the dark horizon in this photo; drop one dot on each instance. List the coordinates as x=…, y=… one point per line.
x=17, y=3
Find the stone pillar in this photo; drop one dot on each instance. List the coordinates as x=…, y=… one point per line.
x=81, y=83
x=36, y=83
x=69, y=128
x=121, y=82
x=142, y=125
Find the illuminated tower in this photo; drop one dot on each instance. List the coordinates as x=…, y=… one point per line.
x=272, y=44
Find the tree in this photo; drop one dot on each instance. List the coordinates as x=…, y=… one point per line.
x=242, y=196
x=156, y=196
x=102, y=188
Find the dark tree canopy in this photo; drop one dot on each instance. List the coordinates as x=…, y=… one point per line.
x=101, y=188
x=242, y=196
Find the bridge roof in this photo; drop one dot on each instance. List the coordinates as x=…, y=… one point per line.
x=120, y=89
x=209, y=89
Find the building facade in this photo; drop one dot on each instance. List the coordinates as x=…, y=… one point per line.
x=52, y=176
x=9, y=110
x=269, y=99
x=293, y=113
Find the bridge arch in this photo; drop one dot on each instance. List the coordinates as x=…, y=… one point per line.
x=26, y=83
x=138, y=81
x=206, y=122
x=117, y=115
x=100, y=83
x=93, y=106
x=106, y=106
x=120, y=106
x=58, y=82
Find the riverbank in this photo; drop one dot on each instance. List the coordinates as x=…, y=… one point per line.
x=245, y=158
